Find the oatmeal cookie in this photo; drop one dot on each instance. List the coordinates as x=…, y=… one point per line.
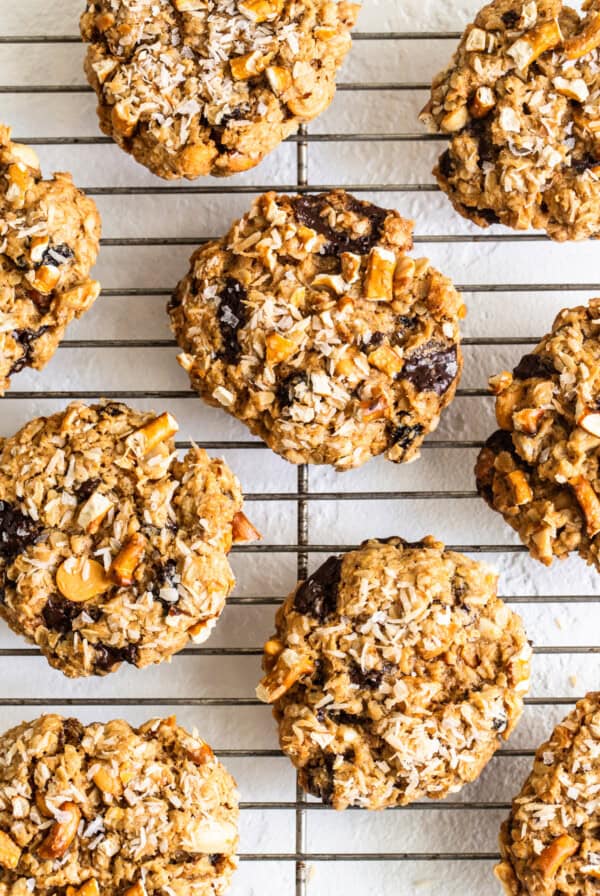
x=310, y=323
x=112, y=549
x=49, y=236
x=520, y=102
x=550, y=843
x=111, y=810
x=194, y=87
x=541, y=469
x=395, y=673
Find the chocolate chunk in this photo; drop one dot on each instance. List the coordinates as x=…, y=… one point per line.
x=72, y=732
x=166, y=574
x=404, y=435
x=501, y=440
x=584, y=164
x=431, y=368
x=286, y=389
x=510, y=18
x=108, y=656
x=309, y=211
x=232, y=315
x=83, y=491
x=446, y=165
x=57, y=255
x=17, y=531
x=317, y=596
x=534, y=366
x=26, y=338
x=40, y=300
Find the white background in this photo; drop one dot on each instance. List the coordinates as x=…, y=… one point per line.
x=463, y=831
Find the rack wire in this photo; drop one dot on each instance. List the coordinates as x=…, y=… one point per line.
x=305, y=499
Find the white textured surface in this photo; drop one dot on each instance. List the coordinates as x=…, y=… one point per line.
x=555, y=624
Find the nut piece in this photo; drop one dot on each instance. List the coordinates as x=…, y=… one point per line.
x=249, y=66
x=528, y=420
x=89, y=888
x=455, y=120
x=201, y=754
x=62, y=833
x=138, y=889
x=156, y=431
x=555, y=855
x=530, y=47
x=520, y=490
x=9, y=852
x=374, y=409
x=44, y=279
x=282, y=348
x=589, y=503
x=124, y=118
x=279, y=79
x=290, y=667
x=260, y=10
x=334, y=282
x=379, y=280
x=106, y=781
x=80, y=578
x=483, y=100
x=386, y=360
x=243, y=530
x=584, y=42
x=218, y=839
x=573, y=89
x=590, y=421
x=128, y=559
x=93, y=512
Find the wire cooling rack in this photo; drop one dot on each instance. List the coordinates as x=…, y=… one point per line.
x=370, y=143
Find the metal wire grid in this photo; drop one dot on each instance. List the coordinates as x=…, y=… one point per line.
x=302, y=497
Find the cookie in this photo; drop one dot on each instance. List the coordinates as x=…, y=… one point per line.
x=111, y=810
x=310, y=323
x=194, y=87
x=519, y=103
x=540, y=470
x=395, y=673
x=49, y=236
x=111, y=549
x=550, y=843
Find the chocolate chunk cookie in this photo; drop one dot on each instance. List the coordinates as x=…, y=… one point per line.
x=310, y=323
x=49, y=236
x=541, y=470
x=395, y=673
x=111, y=810
x=520, y=104
x=550, y=843
x=111, y=549
x=194, y=87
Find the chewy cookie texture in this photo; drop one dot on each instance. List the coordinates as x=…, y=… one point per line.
x=195, y=87
x=550, y=843
x=540, y=470
x=49, y=236
x=395, y=673
x=111, y=549
x=311, y=324
x=519, y=102
x=111, y=810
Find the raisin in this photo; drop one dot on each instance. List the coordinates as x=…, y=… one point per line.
x=488, y=215
x=531, y=366
x=510, y=18
x=376, y=339
x=57, y=255
x=286, y=389
x=26, y=338
x=232, y=315
x=431, y=368
x=581, y=165
x=72, y=732
x=404, y=435
x=446, y=165
x=108, y=656
x=83, y=491
x=17, y=531
x=112, y=409
x=165, y=574
x=58, y=614
x=372, y=679
x=406, y=322
x=40, y=300
x=317, y=596
x=309, y=209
